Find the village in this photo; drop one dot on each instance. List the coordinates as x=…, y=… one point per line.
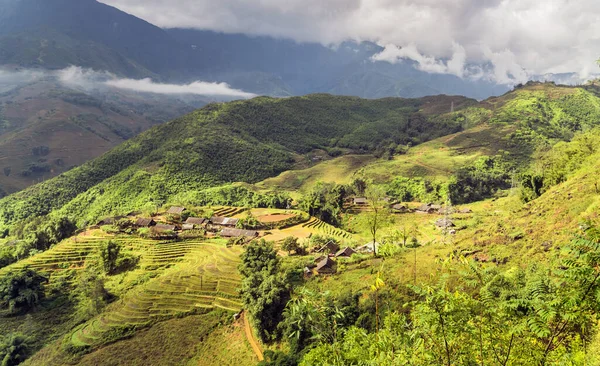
x=239, y=226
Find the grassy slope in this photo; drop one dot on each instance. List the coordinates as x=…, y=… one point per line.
x=240, y=141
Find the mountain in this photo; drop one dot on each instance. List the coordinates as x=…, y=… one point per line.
x=58, y=33
x=47, y=128
x=522, y=166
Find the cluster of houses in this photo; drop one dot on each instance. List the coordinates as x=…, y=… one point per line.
x=225, y=226
x=326, y=263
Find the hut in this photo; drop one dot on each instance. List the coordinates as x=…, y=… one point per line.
x=400, y=208
x=444, y=223
x=360, y=201
x=326, y=266
x=331, y=247
x=428, y=208
x=144, y=222
x=237, y=233
x=224, y=221
x=196, y=222
x=345, y=253
x=109, y=220
x=187, y=227
x=176, y=210
x=465, y=210
x=164, y=227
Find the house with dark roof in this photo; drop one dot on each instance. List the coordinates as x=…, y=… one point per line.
x=360, y=201
x=428, y=208
x=187, y=227
x=144, y=222
x=164, y=227
x=237, y=233
x=331, y=247
x=345, y=253
x=326, y=266
x=109, y=220
x=400, y=208
x=176, y=210
x=224, y=221
x=196, y=221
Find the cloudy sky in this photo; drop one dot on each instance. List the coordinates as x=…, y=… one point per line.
x=514, y=37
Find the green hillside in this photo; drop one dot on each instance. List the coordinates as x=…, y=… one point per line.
x=503, y=271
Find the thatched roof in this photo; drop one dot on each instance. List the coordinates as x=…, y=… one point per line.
x=368, y=248
x=187, y=227
x=144, y=222
x=164, y=227
x=195, y=220
x=109, y=220
x=224, y=221
x=400, y=207
x=444, y=223
x=465, y=211
x=327, y=265
x=236, y=233
x=346, y=252
x=360, y=201
x=330, y=246
x=175, y=210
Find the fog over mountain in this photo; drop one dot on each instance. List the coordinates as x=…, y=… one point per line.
x=501, y=40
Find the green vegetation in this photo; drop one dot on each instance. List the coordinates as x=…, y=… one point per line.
x=489, y=279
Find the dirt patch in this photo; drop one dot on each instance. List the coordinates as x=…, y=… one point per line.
x=274, y=218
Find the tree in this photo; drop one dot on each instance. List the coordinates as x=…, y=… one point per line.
x=21, y=290
x=264, y=290
x=14, y=349
x=378, y=215
x=290, y=244
x=109, y=254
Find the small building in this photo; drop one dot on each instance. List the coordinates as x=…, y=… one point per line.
x=144, y=222
x=428, y=208
x=446, y=211
x=360, y=201
x=345, y=253
x=176, y=210
x=224, y=221
x=444, y=223
x=330, y=247
x=465, y=210
x=196, y=222
x=187, y=227
x=164, y=227
x=326, y=266
x=238, y=233
x=109, y=220
x=400, y=208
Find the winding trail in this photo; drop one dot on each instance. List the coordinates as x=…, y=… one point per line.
x=251, y=339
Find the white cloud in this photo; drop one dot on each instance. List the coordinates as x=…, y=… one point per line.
x=89, y=79
x=506, y=38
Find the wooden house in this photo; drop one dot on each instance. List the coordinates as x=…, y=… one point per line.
x=345, y=253
x=175, y=210
x=360, y=201
x=330, y=247
x=196, y=222
x=428, y=208
x=224, y=221
x=400, y=208
x=326, y=266
x=164, y=227
x=144, y=222
x=187, y=227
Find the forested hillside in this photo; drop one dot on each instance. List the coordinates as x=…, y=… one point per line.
x=438, y=230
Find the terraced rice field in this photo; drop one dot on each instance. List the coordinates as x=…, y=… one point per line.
x=228, y=211
x=206, y=278
x=325, y=228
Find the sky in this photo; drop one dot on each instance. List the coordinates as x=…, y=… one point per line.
x=503, y=40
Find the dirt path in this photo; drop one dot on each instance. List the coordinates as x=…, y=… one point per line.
x=251, y=339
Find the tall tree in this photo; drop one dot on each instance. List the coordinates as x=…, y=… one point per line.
x=379, y=214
